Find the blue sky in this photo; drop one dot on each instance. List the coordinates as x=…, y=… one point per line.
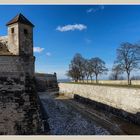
x=62, y=31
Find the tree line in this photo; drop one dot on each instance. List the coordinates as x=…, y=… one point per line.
x=127, y=60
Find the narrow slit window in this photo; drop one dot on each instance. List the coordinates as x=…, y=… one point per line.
x=25, y=31
x=12, y=30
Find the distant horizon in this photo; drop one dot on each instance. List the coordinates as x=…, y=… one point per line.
x=61, y=31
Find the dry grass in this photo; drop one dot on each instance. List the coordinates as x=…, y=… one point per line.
x=100, y=84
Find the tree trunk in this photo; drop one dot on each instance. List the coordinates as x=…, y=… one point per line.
x=83, y=79
x=128, y=78
x=87, y=79
x=116, y=77
x=91, y=78
x=76, y=80
x=96, y=78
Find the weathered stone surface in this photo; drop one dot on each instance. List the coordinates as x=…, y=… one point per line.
x=20, y=113
x=122, y=101
x=18, y=46
x=13, y=39
x=46, y=82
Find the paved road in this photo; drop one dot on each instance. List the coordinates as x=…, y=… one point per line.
x=68, y=117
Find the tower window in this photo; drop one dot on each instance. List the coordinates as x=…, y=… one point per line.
x=25, y=31
x=12, y=30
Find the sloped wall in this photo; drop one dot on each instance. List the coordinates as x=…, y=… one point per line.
x=125, y=100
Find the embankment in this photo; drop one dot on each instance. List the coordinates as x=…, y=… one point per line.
x=124, y=102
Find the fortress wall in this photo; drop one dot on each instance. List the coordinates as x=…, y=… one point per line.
x=124, y=101
x=28, y=64
x=14, y=65
x=46, y=81
x=10, y=64
x=20, y=112
x=45, y=76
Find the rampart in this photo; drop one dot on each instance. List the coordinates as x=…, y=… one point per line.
x=124, y=102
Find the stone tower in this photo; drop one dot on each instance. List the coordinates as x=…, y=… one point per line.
x=20, y=106
x=20, y=41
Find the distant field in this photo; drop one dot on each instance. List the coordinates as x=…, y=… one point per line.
x=117, y=83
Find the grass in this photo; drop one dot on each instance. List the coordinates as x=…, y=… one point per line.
x=99, y=84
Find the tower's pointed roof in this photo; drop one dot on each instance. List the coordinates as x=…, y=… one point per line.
x=21, y=19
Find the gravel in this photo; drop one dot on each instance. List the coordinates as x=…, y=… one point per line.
x=64, y=120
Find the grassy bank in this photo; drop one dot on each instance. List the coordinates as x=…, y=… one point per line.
x=101, y=84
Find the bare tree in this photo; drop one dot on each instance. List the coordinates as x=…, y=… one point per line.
x=81, y=68
x=116, y=72
x=98, y=67
x=76, y=68
x=128, y=58
x=90, y=69
x=73, y=72
x=87, y=69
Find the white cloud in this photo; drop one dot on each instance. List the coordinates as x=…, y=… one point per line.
x=71, y=27
x=88, y=41
x=38, y=49
x=94, y=10
x=90, y=10
x=48, y=54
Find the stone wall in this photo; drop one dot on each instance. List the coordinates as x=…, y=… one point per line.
x=16, y=65
x=126, y=100
x=20, y=112
x=25, y=39
x=26, y=47
x=28, y=64
x=46, y=81
x=20, y=42
x=13, y=38
x=10, y=66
